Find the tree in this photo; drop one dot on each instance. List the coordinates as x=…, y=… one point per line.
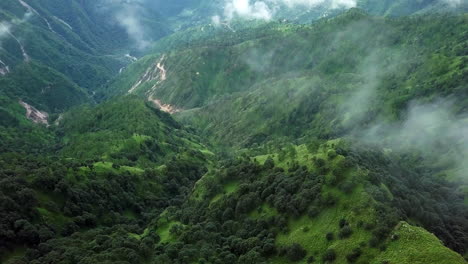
x=252, y=257
x=345, y=232
x=354, y=255
x=296, y=252
x=329, y=256
x=269, y=163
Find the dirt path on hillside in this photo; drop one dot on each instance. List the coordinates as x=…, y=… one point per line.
x=32, y=10
x=23, y=50
x=156, y=71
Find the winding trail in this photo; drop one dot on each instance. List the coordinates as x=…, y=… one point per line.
x=156, y=71
x=23, y=50
x=161, y=68
x=32, y=10
x=63, y=22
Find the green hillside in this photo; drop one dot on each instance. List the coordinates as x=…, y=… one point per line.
x=131, y=171
x=246, y=132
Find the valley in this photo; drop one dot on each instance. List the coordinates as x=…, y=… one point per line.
x=233, y=132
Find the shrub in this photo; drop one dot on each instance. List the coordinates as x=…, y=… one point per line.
x=345, y=232
x=373, y=242
x=319, y=162
x=343, y=223
x=313, y=211
x=330, y=236
x=354, y=255
x=269, y=163
x=296, y=252
x=329, y=256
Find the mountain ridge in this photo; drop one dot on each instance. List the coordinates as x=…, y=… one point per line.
x=308, y=139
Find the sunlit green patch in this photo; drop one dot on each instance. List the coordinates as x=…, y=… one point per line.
x=414, y=245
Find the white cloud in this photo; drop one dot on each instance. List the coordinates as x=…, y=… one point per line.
x=248, y=9
x=4, y=29
x=313, y=3
x=127, y=14
x=453, y=3
x=432, y=129
x=266, y=9
x=216, y=20
x=128, y=19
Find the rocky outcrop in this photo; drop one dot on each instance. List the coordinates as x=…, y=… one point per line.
x=33, y=114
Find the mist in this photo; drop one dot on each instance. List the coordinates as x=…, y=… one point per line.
x=128, y=19
x=7, y=27
x=4, y=29
x=432, y=130
x=128, y=14
x=267, y=9
x=453, y=3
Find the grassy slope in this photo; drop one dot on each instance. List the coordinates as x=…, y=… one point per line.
x=128, y=128
x=413, y=245
x=427, y=249
x=290, y=105
x=246, y=88
x=352, y=207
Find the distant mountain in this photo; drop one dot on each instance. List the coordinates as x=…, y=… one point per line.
x=65, y=49
x=193, y=131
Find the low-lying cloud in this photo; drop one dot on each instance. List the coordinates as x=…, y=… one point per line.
x=453, y=3
x=432, y=129
x=266, y=9
x=6, y=27
x=128, y=19
x=127, y=14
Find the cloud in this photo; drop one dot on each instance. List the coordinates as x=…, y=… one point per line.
x=216, y=20
x=432, y=129
x=453, y=3
x=128, y=18
x=127, y=14
x=7, y=26
x=4, y=29
x=247, y=9
x=266, y=9
x=314, y=3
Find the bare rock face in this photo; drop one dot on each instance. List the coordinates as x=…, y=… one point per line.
x=38, y=117
x=157, y=72
x=165, y=107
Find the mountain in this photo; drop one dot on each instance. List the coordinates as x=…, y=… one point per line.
x=66, y=49
x=233, y=132
x=244, y=78
x=226, y=11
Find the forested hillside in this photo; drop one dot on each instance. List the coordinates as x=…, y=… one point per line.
x=233, y=132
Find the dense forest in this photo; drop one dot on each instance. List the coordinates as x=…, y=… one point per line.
x=200, y=132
